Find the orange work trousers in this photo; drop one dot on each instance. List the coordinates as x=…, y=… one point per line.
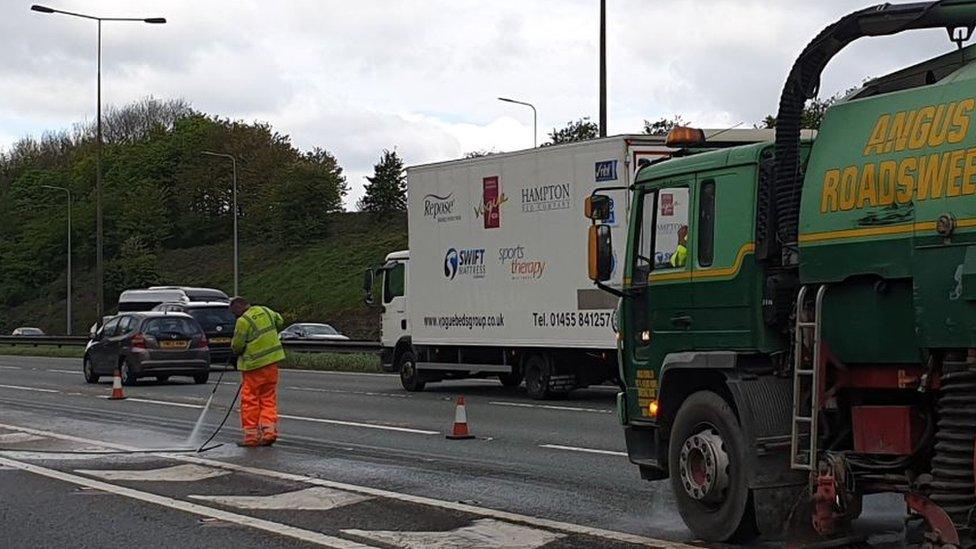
x=259, y=405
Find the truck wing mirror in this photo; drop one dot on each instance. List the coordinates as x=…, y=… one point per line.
x=600, y=253
x=368, y=282
x=598, y=207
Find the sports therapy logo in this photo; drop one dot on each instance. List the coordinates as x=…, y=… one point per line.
x=464, y=263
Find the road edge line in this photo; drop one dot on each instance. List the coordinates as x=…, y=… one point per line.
x=310, y=536
x=420, y=500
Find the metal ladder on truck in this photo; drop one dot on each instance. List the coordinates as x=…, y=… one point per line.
x=806, y=380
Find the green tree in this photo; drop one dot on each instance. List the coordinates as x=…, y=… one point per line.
x=662, y=126
x=310, y=188
x=386, y=191
x=577, y=130
x=133, y=267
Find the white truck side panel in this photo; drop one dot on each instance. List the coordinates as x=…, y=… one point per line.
x=498, y=253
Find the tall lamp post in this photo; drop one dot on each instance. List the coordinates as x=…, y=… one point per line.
x=603, y=68
x=233, y=162
x=68, y=192
x=99, y=256
x=535, y=118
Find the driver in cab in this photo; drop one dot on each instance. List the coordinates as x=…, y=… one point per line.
x=680, y=255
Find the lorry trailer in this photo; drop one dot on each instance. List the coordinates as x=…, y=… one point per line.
x=494, y=283
x=815, y=340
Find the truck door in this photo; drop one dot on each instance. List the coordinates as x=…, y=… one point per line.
x=394, y=324
x=660, y=313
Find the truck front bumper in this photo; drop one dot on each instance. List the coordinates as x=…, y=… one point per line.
x=386, y=359
x=644, y=447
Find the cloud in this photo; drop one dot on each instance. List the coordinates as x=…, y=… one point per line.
x=423, y=77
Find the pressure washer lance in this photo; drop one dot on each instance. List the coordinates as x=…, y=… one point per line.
x=194, y=450
x=230, y=409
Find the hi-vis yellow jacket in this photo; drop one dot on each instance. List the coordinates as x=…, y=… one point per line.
x=256, y=342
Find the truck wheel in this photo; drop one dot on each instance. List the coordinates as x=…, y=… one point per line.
x=410, y=377
x=511, y=380
x=537, y=372
x=707, y=461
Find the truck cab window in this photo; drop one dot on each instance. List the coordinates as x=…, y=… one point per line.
x=706, y=224
x=643, y=260
x=671, y=229
x=393, y=282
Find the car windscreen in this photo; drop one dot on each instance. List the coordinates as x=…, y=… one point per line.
x=170, y=327
x=31, y=332
x=214, y=319
x=319, y=329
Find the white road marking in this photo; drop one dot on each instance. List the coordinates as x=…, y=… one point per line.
x=550, y=407
x=326, y=372
x=301, y=418
x=251, y=522
x=584, y=450
x=482, y=534
x=163, y=402
x=14, y=438
x=344, y=392
x=72, y=372
x=558, y=526
x=358, y=424
x=86, y=453
x=177, y=473
x=10, y=368
x=35, y=389
x=316, y=498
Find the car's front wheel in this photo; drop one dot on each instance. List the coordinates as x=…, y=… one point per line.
x=200, y=379
x=89, y=370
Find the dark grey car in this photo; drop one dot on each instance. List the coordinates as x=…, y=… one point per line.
x=150, y=344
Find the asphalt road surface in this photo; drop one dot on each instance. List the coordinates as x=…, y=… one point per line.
x=359, y=463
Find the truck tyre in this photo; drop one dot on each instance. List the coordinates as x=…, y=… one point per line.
x=537, y=372
x=707, y=461
x=410, y=377
x=511, y=380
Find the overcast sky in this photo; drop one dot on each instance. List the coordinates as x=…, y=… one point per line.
x=356, y=77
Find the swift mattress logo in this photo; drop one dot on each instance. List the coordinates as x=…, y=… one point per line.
x=519, y=265
x=492, y=200
x=545, y=198
x=440, y=208
x=469, y=263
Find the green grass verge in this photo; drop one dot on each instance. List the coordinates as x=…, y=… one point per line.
x=329, y=362
x=333, y=362
x=42, y=350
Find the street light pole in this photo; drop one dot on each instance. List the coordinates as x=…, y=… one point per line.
x=69, y=252
x=99, y=255
x=603, y=68
x=233, y=161
x=535, y=118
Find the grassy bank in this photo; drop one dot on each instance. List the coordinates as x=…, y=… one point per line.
x=314, y=281
x=330, y=362
x=42, y=350
x=334, y=362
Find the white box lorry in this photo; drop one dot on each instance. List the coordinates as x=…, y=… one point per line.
x=495, y=281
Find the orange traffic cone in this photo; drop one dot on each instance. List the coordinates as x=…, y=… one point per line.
x=117, y=393
x=460, y=422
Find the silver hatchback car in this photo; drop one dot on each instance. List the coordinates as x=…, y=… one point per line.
x=148, y=344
